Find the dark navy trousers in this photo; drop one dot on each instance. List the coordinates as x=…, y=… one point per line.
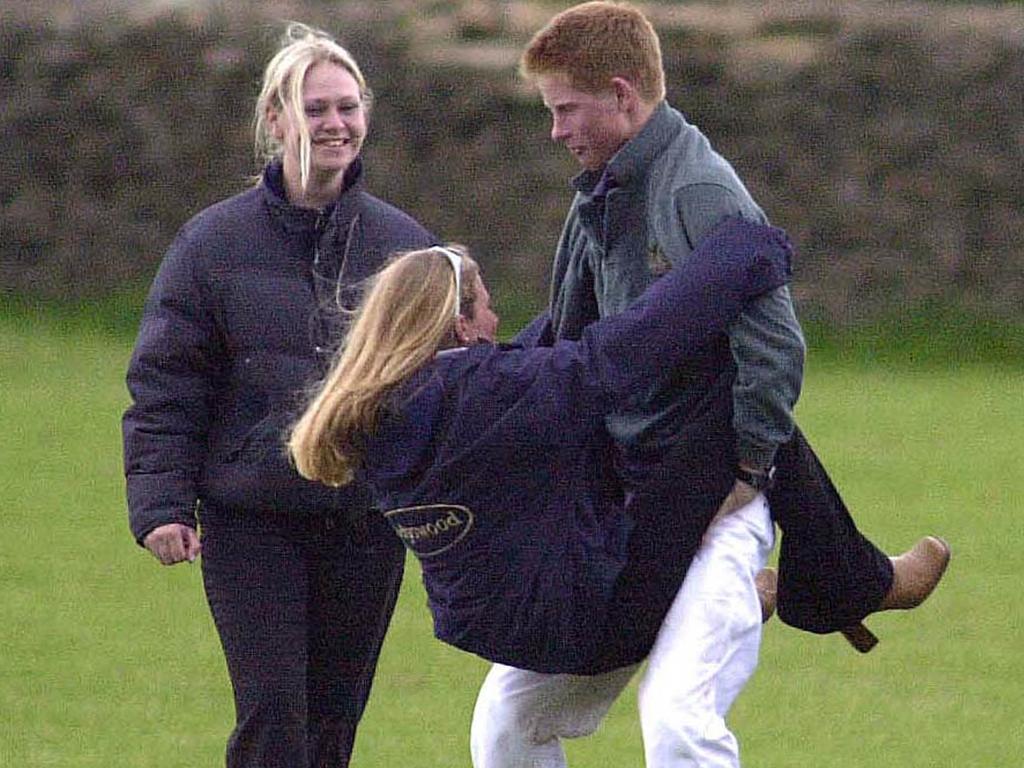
x=301, y=604
x=830, y=575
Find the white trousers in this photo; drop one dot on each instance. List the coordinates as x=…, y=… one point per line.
x=705, y=652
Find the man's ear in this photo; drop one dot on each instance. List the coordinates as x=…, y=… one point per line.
x=626, y=94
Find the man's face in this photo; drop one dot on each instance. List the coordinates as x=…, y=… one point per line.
x=591, y=126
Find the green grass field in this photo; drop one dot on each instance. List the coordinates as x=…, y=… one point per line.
x=107, y=659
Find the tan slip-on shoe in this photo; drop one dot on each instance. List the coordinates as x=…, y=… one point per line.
x=915, y=575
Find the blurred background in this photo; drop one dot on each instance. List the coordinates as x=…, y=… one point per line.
x=887, y=138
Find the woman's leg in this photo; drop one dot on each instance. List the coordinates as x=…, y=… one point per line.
x=256, y=584
x=830, y=575
x=521, y=716
x=707, y=647
x=355, y=581
x=301, y=607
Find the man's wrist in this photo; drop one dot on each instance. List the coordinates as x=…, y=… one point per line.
x=758, y=479
x=755, y=455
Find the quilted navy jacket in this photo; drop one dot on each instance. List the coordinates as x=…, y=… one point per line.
x=242, y=315
x=493, y=464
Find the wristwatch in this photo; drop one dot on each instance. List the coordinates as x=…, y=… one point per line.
x=761, y=480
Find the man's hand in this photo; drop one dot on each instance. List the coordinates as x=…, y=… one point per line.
x=173, y=543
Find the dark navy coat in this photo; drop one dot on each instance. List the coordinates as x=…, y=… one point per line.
x=494, y=466
x=242, y=315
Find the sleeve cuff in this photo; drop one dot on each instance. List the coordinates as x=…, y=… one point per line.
x=755, y=456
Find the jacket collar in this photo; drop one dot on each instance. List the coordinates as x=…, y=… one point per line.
x=630, y=164
x=297, y=220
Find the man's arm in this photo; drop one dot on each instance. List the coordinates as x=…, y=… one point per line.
x=768, y=347
x=766, y=341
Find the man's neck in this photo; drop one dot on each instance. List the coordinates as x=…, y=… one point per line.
x=639, y=118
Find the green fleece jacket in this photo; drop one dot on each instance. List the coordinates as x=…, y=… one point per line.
x=656, y=199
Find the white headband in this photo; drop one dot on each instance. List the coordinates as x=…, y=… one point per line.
x=455, y=259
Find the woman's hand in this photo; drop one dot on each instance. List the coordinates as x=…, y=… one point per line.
x=173, y=543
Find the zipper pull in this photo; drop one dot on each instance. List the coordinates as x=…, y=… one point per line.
x=318, y=231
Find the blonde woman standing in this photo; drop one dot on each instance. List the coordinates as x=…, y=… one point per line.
x=243, y=314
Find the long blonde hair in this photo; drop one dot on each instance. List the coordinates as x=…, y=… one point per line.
x=301, y=47
x=407, y=314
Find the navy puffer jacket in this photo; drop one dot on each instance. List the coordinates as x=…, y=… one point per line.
x=242, y=317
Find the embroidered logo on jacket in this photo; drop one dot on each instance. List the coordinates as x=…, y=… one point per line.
x=657, y=262
x=430, y=529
